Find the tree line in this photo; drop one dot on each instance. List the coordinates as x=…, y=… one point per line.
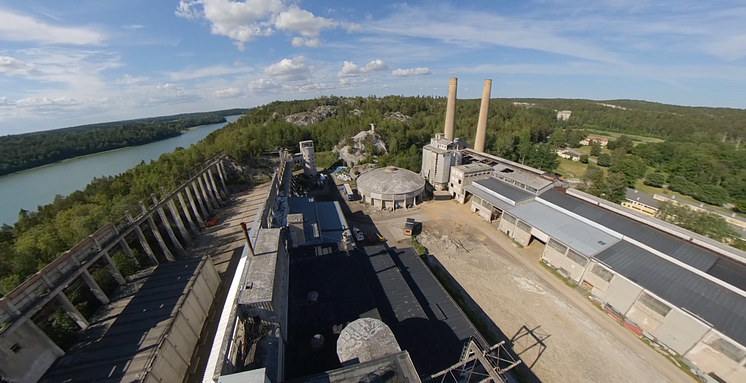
x=26, y=151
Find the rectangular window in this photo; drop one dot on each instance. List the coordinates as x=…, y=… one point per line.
x=602, y=273
x=523, y=226
x=654, y=304
x=459, y=182
x=727, y=348
x=557, y=246
x=577, y=258
x=16, y=348
x=509, y=218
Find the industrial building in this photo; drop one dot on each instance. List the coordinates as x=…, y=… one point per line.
x=305, y=305
x=391, y=187
x=677, y=288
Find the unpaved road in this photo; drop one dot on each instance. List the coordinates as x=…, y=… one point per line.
x=583, y=345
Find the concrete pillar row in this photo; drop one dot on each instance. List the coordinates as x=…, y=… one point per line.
x=127, y=250
x=200, y=218
x=192, y=226
x=205, y=199
x=210, y=192
x=169, y=230
x=72, y=311
x=221, y=174
x=179, y=222
x=113, y=269
x=143, y=240
x=95, y=288
x=157, y=234
x=215, y=188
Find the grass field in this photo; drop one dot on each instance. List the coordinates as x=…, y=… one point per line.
x=571, y=169
x=614, y=135
x=587, y=150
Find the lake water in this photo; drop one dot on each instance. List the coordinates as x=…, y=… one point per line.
x=31, y=188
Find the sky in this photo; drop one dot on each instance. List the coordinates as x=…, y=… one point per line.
x=70, y=62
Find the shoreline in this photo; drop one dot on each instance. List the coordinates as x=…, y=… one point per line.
x=115, y=150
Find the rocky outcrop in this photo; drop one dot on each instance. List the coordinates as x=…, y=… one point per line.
x=309, y=118
x=398, y=116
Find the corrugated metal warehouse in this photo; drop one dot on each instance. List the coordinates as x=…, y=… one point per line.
x=683, y=290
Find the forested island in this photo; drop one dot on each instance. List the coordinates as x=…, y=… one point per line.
x=26, y=151
x=701, y=146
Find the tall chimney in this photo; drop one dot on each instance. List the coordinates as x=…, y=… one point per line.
x=484, y=111
x=451, y=109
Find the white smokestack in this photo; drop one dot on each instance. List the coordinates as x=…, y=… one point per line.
x=451, y=110
x=484, y=111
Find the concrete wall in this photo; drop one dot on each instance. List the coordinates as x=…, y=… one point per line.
x=553, y=256
x=680, y=331
x=521, y=236
x=645, y=316
x=176, y=347
x=715, y=353
x=27, y=353
x=505, y=225
x=622, y=293
x=599, y=283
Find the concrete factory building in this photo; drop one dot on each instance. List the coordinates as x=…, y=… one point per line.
x=679, y=289
x=391, y=187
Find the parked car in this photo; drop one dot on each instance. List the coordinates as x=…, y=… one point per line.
x=359, y=236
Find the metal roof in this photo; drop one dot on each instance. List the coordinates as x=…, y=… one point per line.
x=638, y=196
x=580, y=236
x=512, y=193
x=324, y=222
x=500, y=204
x=721, y=307
x=692, y=255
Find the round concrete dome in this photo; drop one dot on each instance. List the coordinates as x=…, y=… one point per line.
x=364, y=340
x=390, y=186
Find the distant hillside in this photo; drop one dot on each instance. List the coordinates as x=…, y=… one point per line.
x=649, y=118
x=27, y=151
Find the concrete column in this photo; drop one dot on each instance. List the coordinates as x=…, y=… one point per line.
x=218, y=192
x=200, y=218
x=185, y=208
x=205, y=199
x=142, y=239
x=127, y=251
x=205, y=182
x=167, y=226
x=97, y=291
x=157, y=234
x=221, y=174
x=179, y=222
x=484, y=111
x=113, y=268
x=11, y=309
x=450, y=127
x=72, y=311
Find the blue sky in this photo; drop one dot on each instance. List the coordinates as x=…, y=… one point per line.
x=68, y=62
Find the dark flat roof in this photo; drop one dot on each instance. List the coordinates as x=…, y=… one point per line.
x=393, y=285
x=683, y=251
x=326, y=217
x=343, y=297
x=119, y=353
x=424, y=318
x=723, y=308
x=511, y=192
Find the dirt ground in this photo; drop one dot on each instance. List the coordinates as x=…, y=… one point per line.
x=583, y=345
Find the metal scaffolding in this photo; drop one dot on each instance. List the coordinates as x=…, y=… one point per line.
x=478, y=364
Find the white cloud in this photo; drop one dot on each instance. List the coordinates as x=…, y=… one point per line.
x=263, y=84
x=13, y=66
x=17, y=27
x=479, y=28
x=129, y=80
x=227, y=93
x=218, y=70
x=133, y=26
x=350, y=69
x=423, y=71
x=731, y=48
x=45, y=102
x=305, y=23
x=294, y=69
x=244, y=21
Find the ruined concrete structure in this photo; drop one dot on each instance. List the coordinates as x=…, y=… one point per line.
x=26, y=352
